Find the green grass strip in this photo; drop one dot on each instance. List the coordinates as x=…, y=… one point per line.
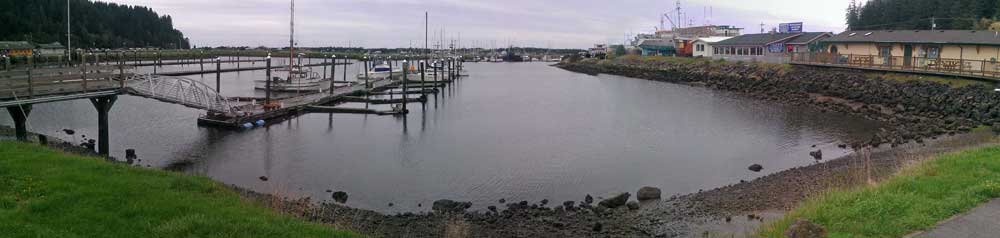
x=47, y=193
x=916, y=199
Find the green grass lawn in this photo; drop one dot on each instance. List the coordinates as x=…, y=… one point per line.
x=916, y=199
x=47, y=193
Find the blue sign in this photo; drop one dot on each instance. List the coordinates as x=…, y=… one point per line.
x=776, y=48
x=794, y=27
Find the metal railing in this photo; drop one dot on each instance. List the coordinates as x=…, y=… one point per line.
x=944, y=66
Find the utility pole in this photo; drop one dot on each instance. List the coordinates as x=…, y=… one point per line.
x=69, y=44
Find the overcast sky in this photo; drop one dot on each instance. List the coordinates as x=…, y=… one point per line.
x=539, y=23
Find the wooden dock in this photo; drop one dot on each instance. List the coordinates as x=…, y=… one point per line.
x=295, y=106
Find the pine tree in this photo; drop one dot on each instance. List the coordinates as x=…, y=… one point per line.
x=852, y=14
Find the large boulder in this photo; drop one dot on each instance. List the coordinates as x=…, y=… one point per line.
x=340, y=197
x=805, y=229
x=647, y=193
x=817, y=155
x=616, y=201
x=756, y=167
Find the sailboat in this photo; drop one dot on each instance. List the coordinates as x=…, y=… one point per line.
x=296, y=77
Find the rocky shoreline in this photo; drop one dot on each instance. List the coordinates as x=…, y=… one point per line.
x=912, y=110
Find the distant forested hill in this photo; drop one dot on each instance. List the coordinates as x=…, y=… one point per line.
x=94, y=24
x=917, y=14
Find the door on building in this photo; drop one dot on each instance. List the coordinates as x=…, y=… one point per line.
x=886, y=53
x=908, y=56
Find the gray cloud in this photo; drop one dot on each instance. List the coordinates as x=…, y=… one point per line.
x=398, y=23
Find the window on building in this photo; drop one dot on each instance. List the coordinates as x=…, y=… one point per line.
x=933, y=52
x=885, y=51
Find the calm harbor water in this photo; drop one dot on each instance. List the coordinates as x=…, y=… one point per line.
x=523, y=131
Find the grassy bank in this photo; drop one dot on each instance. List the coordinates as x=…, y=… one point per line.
x=914, y=200
x=46, y=193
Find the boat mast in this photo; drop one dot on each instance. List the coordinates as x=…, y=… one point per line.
x=291, y=44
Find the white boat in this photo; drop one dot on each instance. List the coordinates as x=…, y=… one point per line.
x=381, y=71
x=296, y=78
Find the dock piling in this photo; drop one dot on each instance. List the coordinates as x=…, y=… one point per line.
x=267, y=83
x=366, y=72
x=218, y=74
x=333, y=77
x=20, y=116
x=406, y=68
x=103, y=106
x=422, y=81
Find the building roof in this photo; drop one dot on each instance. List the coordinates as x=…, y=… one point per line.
x=657, y=44
x=808, y=37
x=769, y=38
x=757, y=39
x=6, y=45
x=53, y=45
x=965, y=37
x=714, y=39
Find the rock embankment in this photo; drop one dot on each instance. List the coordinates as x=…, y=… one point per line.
x=911, y=110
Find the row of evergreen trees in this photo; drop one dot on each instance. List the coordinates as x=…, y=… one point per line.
x=94, y=24
x=921, y=14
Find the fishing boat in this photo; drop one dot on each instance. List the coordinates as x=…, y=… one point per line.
x=294, y=77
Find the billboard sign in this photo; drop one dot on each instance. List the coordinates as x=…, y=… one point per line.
x=794, y=27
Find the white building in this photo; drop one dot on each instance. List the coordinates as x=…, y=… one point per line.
x=703, y=46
